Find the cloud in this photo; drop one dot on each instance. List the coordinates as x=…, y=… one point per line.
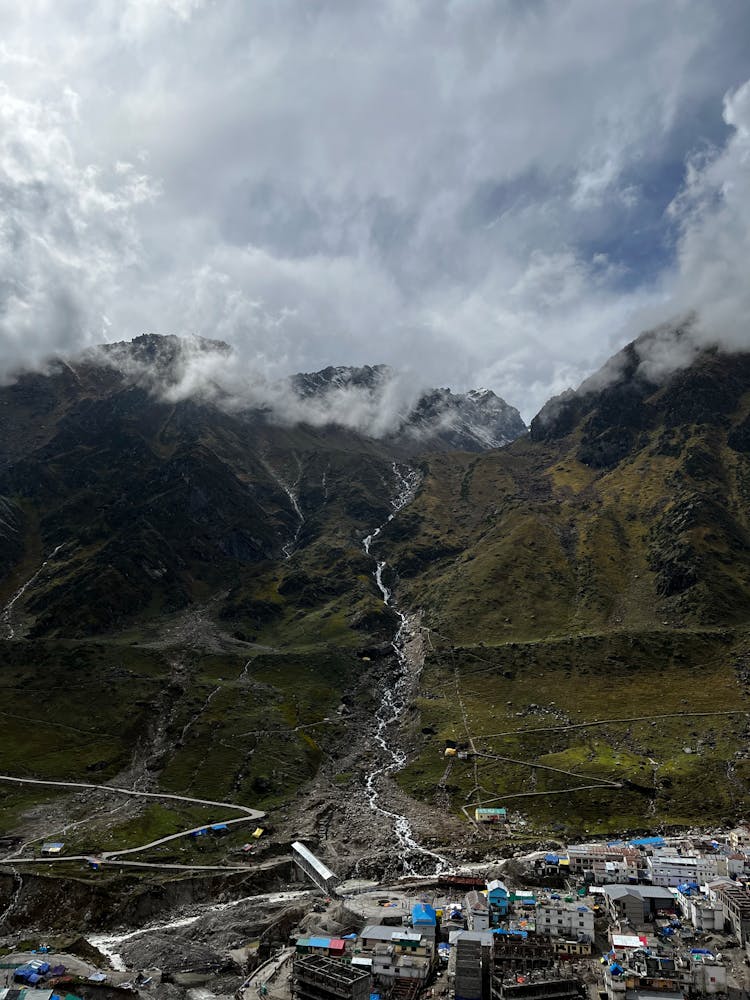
x=713, y=212
x=179, y=368
x=478, y=192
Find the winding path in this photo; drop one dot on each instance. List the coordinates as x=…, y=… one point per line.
x=108, y=857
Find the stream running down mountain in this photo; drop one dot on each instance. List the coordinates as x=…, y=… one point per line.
x=395, y=698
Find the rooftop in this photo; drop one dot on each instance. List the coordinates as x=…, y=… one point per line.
x=311, y=860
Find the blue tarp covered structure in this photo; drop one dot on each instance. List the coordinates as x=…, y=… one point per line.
x=423, y=914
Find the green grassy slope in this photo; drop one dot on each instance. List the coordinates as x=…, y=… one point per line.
x=595, y=585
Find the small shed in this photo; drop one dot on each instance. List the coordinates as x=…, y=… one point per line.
x=52, y=848
x=483, y=814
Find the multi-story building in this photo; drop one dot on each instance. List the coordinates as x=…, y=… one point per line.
x=735, y=901
x=667, y=869
x=395, y=953
x=603, y=863
x=556, y=918
x=739, y=838
x=477, y=911
x=548, y=985
x=315, y=977
x=424, y=919
x=661, y=977
x=499, y=897
x=471, y=965
x=704, y=914
x=634, y=905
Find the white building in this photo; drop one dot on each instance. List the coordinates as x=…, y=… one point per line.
x=395, y=952
x=673, y=870
x=604, y=863
x=703, y=913
x=477, y=911
x=555, y=918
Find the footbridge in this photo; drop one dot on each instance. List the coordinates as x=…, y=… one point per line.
x=315, y=870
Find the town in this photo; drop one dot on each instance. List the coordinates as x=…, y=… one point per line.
x=651, y=918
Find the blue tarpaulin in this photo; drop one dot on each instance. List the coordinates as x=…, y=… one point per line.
x=551, y=859
x=423, y=913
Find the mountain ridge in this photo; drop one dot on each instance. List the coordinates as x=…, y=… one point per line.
x=594, y=569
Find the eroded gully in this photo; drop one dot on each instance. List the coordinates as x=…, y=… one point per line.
x=409, y=656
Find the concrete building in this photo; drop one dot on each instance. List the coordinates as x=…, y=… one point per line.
x=315, y=977
x=735, y=901
x=604, y=863
x=635, y=903
x=520, y=952
x=733, y=864
x=395, y=953
x=708, y=975
x=739, y=838
x=704, y=914
x=537, y=986
x=556, y=918
x=643, y=974
x=673, y=870
x=472, y=964
x=477, y=910
x=424, y=920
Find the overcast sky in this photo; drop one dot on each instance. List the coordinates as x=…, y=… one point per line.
x=484, y=192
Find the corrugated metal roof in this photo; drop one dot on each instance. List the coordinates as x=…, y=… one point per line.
x=319, y=942
x=310, y=858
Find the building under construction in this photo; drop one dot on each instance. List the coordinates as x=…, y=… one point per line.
x=315, y=977
x=521, y=954
x=537, y=986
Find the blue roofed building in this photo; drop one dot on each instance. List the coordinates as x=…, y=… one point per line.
x=498, y=897
x=424, y=919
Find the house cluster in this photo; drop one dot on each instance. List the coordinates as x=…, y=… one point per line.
x=459, y=934
x=646, y=919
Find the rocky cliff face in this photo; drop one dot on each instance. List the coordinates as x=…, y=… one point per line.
x=438, y=420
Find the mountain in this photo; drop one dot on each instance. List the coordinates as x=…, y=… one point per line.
x=474, y=421
x=598, y=569
x=438, y=420
x=195, y=568
x=182, y=565
x=153, y=495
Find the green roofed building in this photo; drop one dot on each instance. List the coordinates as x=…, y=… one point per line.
x=485, y=815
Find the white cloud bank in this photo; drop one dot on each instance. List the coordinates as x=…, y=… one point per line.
x=474, y=191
